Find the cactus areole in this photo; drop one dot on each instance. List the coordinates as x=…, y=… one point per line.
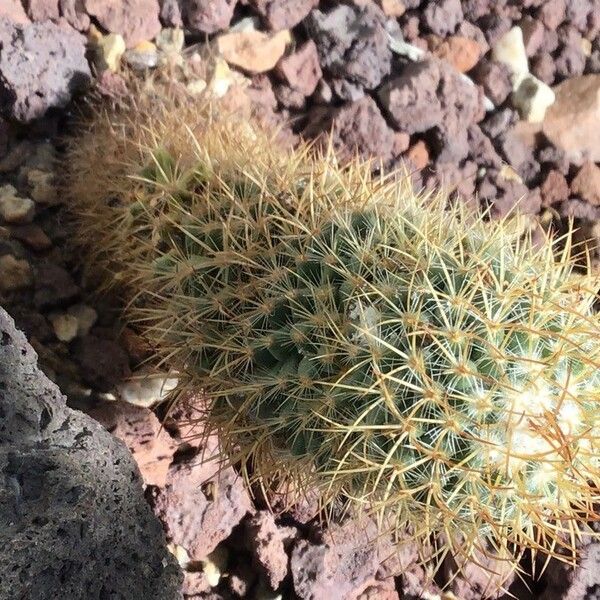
x=398, y=354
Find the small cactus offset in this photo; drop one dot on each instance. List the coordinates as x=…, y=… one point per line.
x=404, y=357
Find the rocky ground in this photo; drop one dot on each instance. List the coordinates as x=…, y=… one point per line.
x=496, y=100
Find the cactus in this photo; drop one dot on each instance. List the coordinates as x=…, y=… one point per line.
x=399, y=354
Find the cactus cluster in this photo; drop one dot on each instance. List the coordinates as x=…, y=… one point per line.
x=394, y=351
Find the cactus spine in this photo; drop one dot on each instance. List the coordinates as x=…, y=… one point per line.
x=401, y=355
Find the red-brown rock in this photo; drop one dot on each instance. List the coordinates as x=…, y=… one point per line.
x=482, y=577
x=241, y=578
x=411, y=100
x=494, y=77
x=571, y=123
x=352, y=43
x=401, y=143
x=42, y=10
x=343, y=566
x=586, y=184
x=570, y=61
x=554, y=188
x=201, y=503
x=32, y=235
x=195, y=584
x=103, y=362
x=289, y=97
x=431, y=95
x=170, y=13
x=581, y=583
x=468, y=30
x=543, y=67
x=481, y=148
x=54, y=286
x=443, y=16
x=301, y=505
x=111, y=85
x=283, y=14
x=461, y=52
x=379, y=592
x=13, y=10
x=268, y=543
x=356, y=127
x=139, y=429
x=301, y=70
x=207, y=17
x=418, y=154
x=502, y=193
x=533, y=34
x=552, y=13
x=578, y=209
x=135, y=20
x=185, y=421
x=41, y=66
x=74, y=12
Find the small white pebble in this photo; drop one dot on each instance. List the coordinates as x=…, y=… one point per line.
x=65, y=326
x=533, y=98
x=586, y=47
x=147, y=390
x=215, y=564
x=509, y=174
x=221, y=79
x=111, y=48
x=196, y=87
x=14, y=209
x=86, y=318
x=180, y=553
x=170, y=40
x=246, y=24
x=510, y=50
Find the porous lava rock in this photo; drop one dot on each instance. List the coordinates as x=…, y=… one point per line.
x=283, y=14
x=352, y=43
x=483, y=576
x=13, y=9
x=442, y=17
x=207, y=17
x=301, y=70
x=135, y=20
x=74, y=520
x=140, y=430
x=581, y=583
x=267, y=543
x=42, y=10
x=202, y=502
x=54, y=286
x=571, y=123
x=41, y=66
x=103, y=362
x=74, y=12
x=586, y=183
x=357, y=128
x=343, y=565
x=431, y=95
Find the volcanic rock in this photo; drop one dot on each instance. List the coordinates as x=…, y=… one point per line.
x=283, y=14
x=135, y=20
x=571, y=122
x=352, y=43
x=356, y=127
x=41, y=66
x=74, y=520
